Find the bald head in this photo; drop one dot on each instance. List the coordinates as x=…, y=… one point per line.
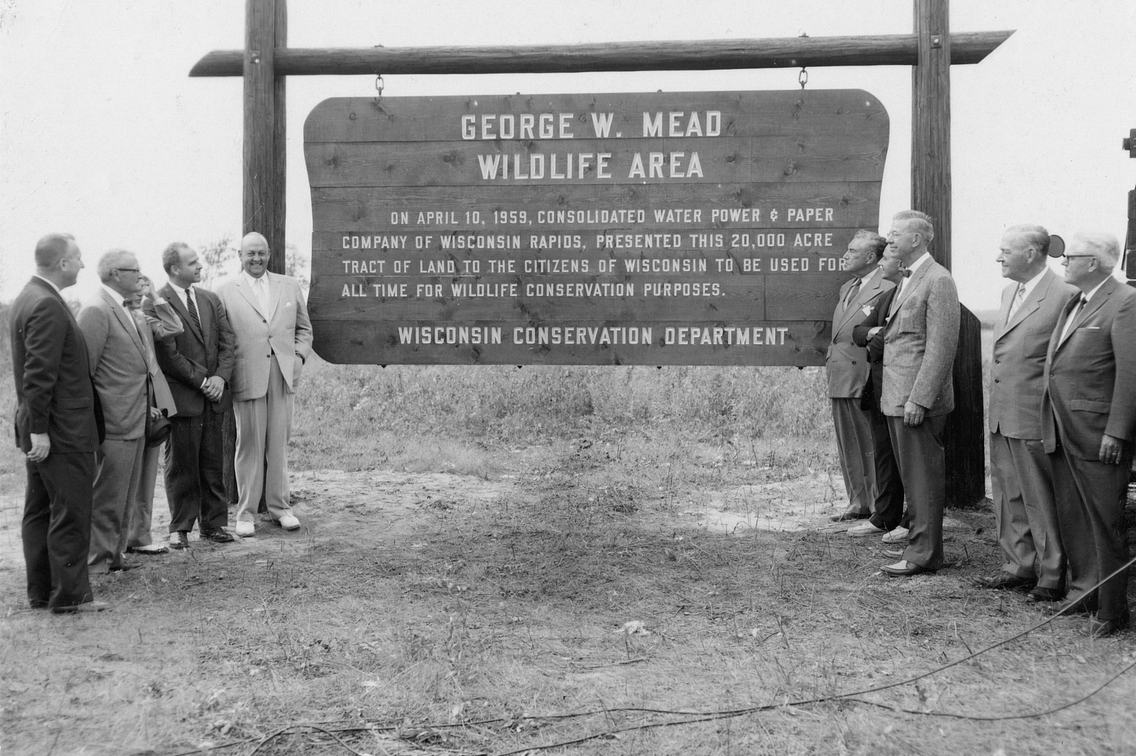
x=254, y=254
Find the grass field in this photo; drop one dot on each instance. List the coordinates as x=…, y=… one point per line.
x=571, y=560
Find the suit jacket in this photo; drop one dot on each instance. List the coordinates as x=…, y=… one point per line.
x=194, y=354
x=284, y=331
x=1090, y=376
x=920, y=340
x=118, y=365
x=846, y=363
x=165, y=323
x=870, y=399
x=1020, y=346
x=54, y=392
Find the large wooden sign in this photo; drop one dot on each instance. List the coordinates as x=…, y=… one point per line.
x=699, y=228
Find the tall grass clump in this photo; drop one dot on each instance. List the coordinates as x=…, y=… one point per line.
x=508, y=405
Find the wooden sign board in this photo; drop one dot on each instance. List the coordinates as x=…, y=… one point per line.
x=692, y=228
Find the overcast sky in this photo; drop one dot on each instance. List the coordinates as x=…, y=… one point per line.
x=105, y=136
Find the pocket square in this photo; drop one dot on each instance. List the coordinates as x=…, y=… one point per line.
x=867, y=309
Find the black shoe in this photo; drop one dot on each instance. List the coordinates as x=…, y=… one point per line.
x=123, y=567
x=851, y=514
x=90, y=606
x=216, y=535
x=1006, y=582
x=1040, y=594
x=179, y=540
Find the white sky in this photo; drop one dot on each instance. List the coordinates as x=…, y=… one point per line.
x=104, y=135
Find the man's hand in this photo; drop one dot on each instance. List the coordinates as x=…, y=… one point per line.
x=1110, y=449
x=213, y=388
x=41, y=447
x=155, y=413
x=912, y=414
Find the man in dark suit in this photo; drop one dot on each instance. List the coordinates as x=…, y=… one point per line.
x=198, y=363
x=888, y=514
x=120, y=371
x=1020, y=472
x=57, y=427
x=1088, y=423
x=920, y=340
x=847, y=369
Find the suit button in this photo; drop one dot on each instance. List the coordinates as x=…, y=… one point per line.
x=996, y=380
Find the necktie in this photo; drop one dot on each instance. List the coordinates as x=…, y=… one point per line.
x=1076, y=311
x=129, y=313
x=852, y=291
x=262, y=295
x=192, y=308
x=1019, y=297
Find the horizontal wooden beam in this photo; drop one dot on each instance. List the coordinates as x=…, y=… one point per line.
x=787, y=52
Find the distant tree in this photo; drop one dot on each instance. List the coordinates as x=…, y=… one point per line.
x=220, y=258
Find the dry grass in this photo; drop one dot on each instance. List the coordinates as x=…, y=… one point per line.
x=465, y=587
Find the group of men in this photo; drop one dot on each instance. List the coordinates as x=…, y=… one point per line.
x=93, y=390
x=1062, y=410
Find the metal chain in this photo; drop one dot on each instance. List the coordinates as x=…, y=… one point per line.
x=379, y=84
x=803, y=77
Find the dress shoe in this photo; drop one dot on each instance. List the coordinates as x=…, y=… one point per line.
x=1040, y=594
x=1004, y=581
x=216, y=535
x=179, y=539
x=851, y=514
x=904, y=568
x=245, y=529
x=1099, y=628
x=288, y=522
x=123, y=567
x=151, y=549
x=90, y=606
x=864, y=529
x=892, y=553
x=899, y=535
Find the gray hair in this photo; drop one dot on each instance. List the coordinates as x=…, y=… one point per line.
x=111, y=260
x=876, y=243
x=1034, y=236
x=921, y=223
x=1104, y=247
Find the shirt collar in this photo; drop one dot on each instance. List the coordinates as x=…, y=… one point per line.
x=50, y=283
x=252, y=281
x=1031, y=284
x=922, y=259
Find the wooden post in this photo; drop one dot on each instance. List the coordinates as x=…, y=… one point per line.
x=266, y=24
x=965, y=434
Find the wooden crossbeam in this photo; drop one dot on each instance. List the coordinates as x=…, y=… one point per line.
x=790, y=52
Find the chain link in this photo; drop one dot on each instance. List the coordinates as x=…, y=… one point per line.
x=803, y=77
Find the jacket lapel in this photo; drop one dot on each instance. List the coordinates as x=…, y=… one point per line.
x=182, y=311
x=273, y=294
x=128, y=324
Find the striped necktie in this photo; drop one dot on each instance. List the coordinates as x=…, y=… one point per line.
x=192, y=307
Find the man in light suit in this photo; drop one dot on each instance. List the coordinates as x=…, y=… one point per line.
x=1020, y=472
x=847, y=367
x=273, y=341
x=1088, y=423
x=119, y=369
x=58, y=427
x=163, y=323
x=199, y=364
x=920, y=340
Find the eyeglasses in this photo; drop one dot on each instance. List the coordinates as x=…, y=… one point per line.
x=1072, y=257
x=129, y=270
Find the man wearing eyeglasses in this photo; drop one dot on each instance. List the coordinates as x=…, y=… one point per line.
x=1088, y=423
x=119, y=368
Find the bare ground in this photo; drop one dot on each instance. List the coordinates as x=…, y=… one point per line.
x=577, y=591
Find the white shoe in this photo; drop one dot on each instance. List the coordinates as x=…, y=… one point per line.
x=288, y=522
x=865, y=528
x=899, y=535
x=245, y=529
